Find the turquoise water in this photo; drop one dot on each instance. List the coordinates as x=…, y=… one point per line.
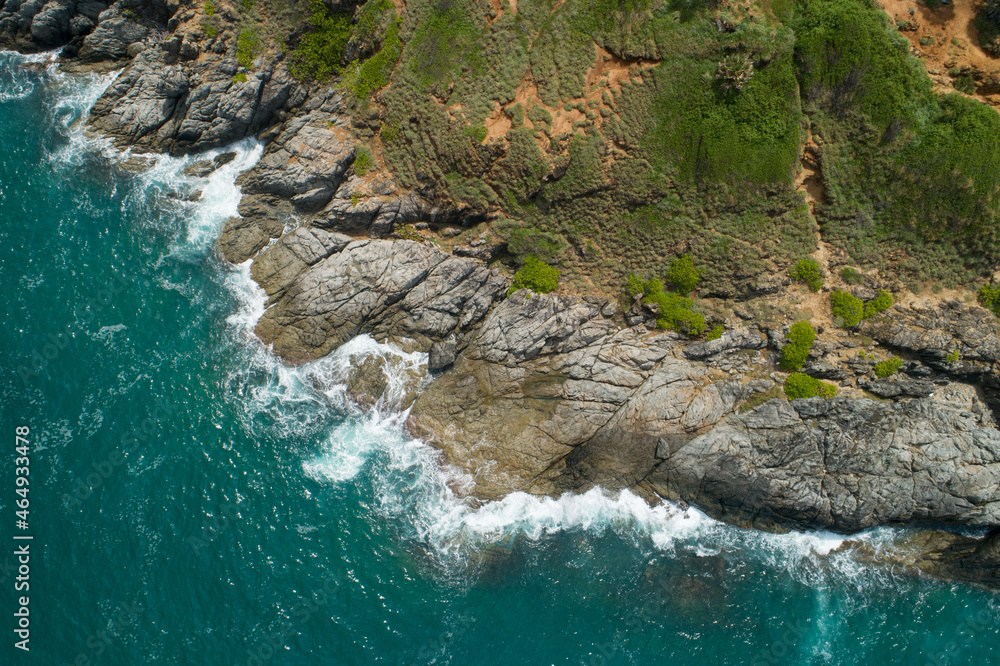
x=195, y=502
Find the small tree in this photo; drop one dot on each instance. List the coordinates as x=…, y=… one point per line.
x=847, y=309
x=800, y=340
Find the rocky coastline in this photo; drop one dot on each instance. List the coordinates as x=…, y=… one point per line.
x=553, y=393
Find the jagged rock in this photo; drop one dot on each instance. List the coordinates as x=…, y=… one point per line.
x=278, y=267
x=825, y=370
x=112, y=39
x=933, y=332
x=732, y=340
x=841, y=464
x=895, y=388
x=551, y=396
x=394, y=289
x=191, y=106
x=262, y=218
x=441, y=355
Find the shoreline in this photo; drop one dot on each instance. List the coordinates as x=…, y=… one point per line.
x=468, y=345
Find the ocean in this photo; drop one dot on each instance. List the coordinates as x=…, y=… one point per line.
x=192, y=500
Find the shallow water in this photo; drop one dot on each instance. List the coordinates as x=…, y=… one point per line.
x=195, y=501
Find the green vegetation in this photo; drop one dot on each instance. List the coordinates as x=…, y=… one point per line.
x=524, y=241
x=808, y=271
x=847, y=309
x=800, y=385
x=247, y=47
x=240, y=77
x=363, y=160
x=888, y=367
x=716, y=332
x=880, y=303
x=673, y=310
x=758, y=399
x=211, y=30
x=852, y=276
x=952, y=356
x=682, y=275
x=374, y=73
x=209, y=8
x=536, y=275
x=319, y=53
x=989, y=298
x=800, y=340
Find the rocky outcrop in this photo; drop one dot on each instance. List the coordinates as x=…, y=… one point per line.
x=192, y=106
x=45, y=24
x=842, y=464
x=399, y=290
x=550, y=395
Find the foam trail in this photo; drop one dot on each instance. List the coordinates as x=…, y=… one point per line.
x=17, y=81
x=413, y=486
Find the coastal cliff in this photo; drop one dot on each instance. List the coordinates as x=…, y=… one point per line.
x=547, y=393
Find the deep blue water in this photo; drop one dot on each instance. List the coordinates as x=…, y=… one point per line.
x=195, y=502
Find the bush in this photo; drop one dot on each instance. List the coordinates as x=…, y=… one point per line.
x=800, y=341
x=683, y=275
x=363, y=161
x=319, y=52
x=240, y=78
x=536, y=275
x=808, y=272
x=716, y=332
x=477, y=133
x=635, y=285
x=888, y=367
x=524, y=241
x=852, y=276
x=800, y=385
x=247, y=45
x=880, y=303
x=209, y=8
x=952, y=357
x=989, y=298
x=847, y=309
x=374, y=73
x=675, y=311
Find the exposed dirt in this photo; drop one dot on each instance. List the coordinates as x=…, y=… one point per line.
x=955, y=44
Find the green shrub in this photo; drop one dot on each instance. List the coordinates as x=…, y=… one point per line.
x=880, y=303
x=926, y=40
x=683, y=275
x=477, y=133
x=716, y=332
x=847, y=309
x=808, y=272
x=635, y=285
x=240, y=77
x=209, y=8
x=211, y=30
x=852, y=276
x=363, y=161
x=888, y=367
x=952, y=357
x=374, y=73
x=989, y=298
x=675, y=311
x=800, y=385
x=247, y=45
x=320, y=51
x=536, y=275
x=524, y=241
x=800, y=340
x=965, y=84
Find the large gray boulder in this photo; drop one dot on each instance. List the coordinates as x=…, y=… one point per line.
x=400, y=290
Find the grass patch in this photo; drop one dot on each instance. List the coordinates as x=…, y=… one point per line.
x=758, y=399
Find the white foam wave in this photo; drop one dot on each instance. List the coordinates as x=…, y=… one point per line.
x=17, y=81
x=411, y=482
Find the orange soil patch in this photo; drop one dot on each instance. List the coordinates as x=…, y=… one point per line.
x=956, y=41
